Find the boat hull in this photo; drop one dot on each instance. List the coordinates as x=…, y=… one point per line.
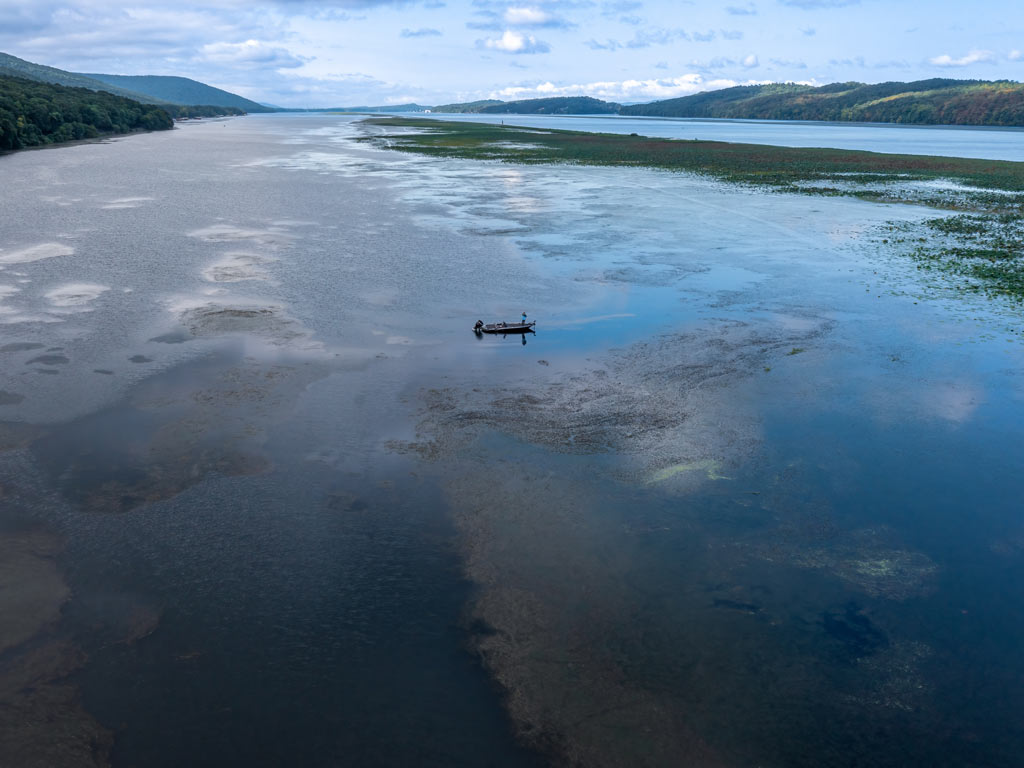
x=506, y=328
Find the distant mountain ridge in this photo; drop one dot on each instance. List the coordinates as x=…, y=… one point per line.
x=553, y=105
x=385, y=108
x=924, y=102
x=936, y=101
x=12, y=66
x=556, y=105
x=559, y=105
x=146, y=89
x=469, y=106
x=179, y=90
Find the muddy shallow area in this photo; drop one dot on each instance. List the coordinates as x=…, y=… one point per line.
x=747, y=497
x=44, y=722
x=653, y=587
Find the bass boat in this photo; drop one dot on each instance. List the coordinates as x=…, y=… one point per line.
x=482, y=327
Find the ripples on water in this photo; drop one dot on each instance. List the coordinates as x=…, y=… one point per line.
x=739, y=501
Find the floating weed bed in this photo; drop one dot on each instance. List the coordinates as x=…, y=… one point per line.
x=981, y=253
x=989, y=186
x=978, y=252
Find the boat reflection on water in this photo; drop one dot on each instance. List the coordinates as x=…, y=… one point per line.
x=520, y=334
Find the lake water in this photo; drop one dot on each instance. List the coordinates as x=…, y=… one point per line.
x=749, y=496
x=944, y=140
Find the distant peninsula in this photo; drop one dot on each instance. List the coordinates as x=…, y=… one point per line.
x=924, y=102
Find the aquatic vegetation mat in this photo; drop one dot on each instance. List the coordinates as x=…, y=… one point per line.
x=986, y=185
x=978, y=253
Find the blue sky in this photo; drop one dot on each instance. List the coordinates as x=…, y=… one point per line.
x=350, y=52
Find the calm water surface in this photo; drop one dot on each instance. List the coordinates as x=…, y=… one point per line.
x=943, y=140
x=750, y=496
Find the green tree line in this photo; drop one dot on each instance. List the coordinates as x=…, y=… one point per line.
x=557, y=105
x=201, y=110
x=34, y=114
x=925, y=102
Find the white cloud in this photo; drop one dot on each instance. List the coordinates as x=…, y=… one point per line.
x=645, y=38
x=526, y=17
x=290, y=51
x=422, y=32
x=622, y=91
x=974, y=57
x=718, y=62
x=21, y=19
x=856, y=61
x=101, y=38
x=521, y=16
x=620, y=6
x=516, y=42
x=252, y=52
x=813, y=4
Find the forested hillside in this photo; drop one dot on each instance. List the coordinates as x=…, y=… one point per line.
x=202, y=110
x=387, y=108
x=467, y=106
x=178, y=90
x=925, y=102
x=33, y=114
x=12, y=66
x=560, y=105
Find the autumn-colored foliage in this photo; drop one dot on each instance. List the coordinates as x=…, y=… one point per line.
x=925, y=102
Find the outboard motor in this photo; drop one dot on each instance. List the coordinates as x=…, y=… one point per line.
x=479, y=325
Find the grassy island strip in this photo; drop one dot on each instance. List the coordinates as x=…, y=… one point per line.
x=984, y=251
x=864, y=174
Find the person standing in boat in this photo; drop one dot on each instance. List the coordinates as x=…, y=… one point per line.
x=524, y=318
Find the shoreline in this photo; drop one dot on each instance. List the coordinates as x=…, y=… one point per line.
x=107, y=137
